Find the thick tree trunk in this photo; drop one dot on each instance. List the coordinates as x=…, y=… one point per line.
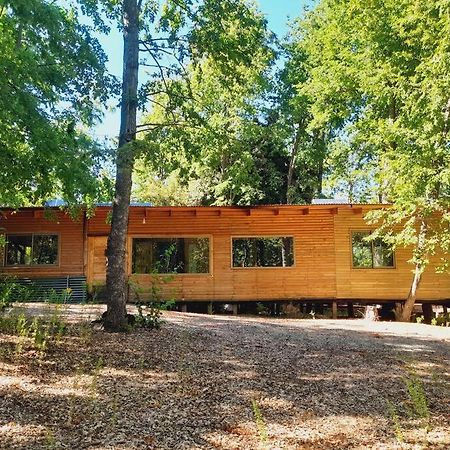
x=418, y=271
x=116, y=276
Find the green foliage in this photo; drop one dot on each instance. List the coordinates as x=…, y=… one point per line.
x=260, y=422
x=379, y=77
x=36, y=333
x=11, y=291
x=261, y=309
x=396, y=423
x=151, y=309
x=53, y=78
x=418, y=397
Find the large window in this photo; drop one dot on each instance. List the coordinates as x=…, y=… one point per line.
x=170, y=255
x=263, y=252
x=369, y=254
x=31, y=249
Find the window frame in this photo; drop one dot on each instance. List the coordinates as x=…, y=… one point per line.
x=47, y=233
x=353, y=267
x=294, y=265
x=171, y=236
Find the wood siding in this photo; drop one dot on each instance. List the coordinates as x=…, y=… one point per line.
x=312, y=276
x=381, y=283
x=71, y=242
x=322, y=251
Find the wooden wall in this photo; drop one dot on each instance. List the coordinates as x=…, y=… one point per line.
x=71, y=248
x=312, y=276
x=322, y=239
x=381, y=283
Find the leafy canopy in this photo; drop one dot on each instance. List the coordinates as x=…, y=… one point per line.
x=52, y=85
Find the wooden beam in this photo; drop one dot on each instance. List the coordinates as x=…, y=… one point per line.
x=334, y=211
x=357, y=210
x=304, y=211
x=276, y=211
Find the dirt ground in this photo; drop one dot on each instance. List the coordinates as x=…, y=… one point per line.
x=219, y=382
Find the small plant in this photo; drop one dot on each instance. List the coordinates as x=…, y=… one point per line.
x=22, y=330
x=395, y=422
x=94, y=383
x=150, y=311
x=50, y=440
x=260, y=423
x=418, y=397
x=84, y=331
x=261, y=309
x=40, y=335
x=420, y=319
x=442, y=320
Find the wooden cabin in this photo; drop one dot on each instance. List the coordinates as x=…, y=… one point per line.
x=221, y=254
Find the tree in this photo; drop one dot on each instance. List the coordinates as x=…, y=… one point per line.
x=380, y=76
x=53, y=78
x=167, y=33
x=210, y=149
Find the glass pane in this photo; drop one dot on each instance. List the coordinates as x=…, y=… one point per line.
x=383, y=256
x=18, y=250
x=170, y=255
x=361, y=250
x=197, y=255
x=45, y=249
x=142, y=256
x=263, y=252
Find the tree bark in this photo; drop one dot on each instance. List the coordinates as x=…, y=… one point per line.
x=116, y=276
x=291, y=169
x=418, y=271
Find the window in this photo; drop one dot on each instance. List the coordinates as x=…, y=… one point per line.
x=170, y=255
x=31, y=249
x=370, y=254
x=263, y=252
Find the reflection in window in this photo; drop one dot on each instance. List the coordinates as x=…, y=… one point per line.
x=370, y=253
x=170, y=255
x=27, y=249
x=263, y=252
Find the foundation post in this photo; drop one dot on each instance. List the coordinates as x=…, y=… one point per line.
x=350, y=311
x=398, y=311
x=427, y=310
x=184, y=307
x=335, y=309
x=210, y=308
x=235, y=309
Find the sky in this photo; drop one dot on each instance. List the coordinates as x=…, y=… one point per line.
x=277, y=12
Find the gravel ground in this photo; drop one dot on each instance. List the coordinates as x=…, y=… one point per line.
x=218, y=382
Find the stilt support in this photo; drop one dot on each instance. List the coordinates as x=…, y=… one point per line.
x=427, y=310
x=335, y=309
x=184, y=307
x=235, y=309
x=210, y=308
x=350, y=311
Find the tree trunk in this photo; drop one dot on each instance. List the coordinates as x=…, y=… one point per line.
x=291, y=169
x=418, y=271
x=116, y=276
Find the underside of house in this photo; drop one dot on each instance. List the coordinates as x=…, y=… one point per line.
x=276, y=253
